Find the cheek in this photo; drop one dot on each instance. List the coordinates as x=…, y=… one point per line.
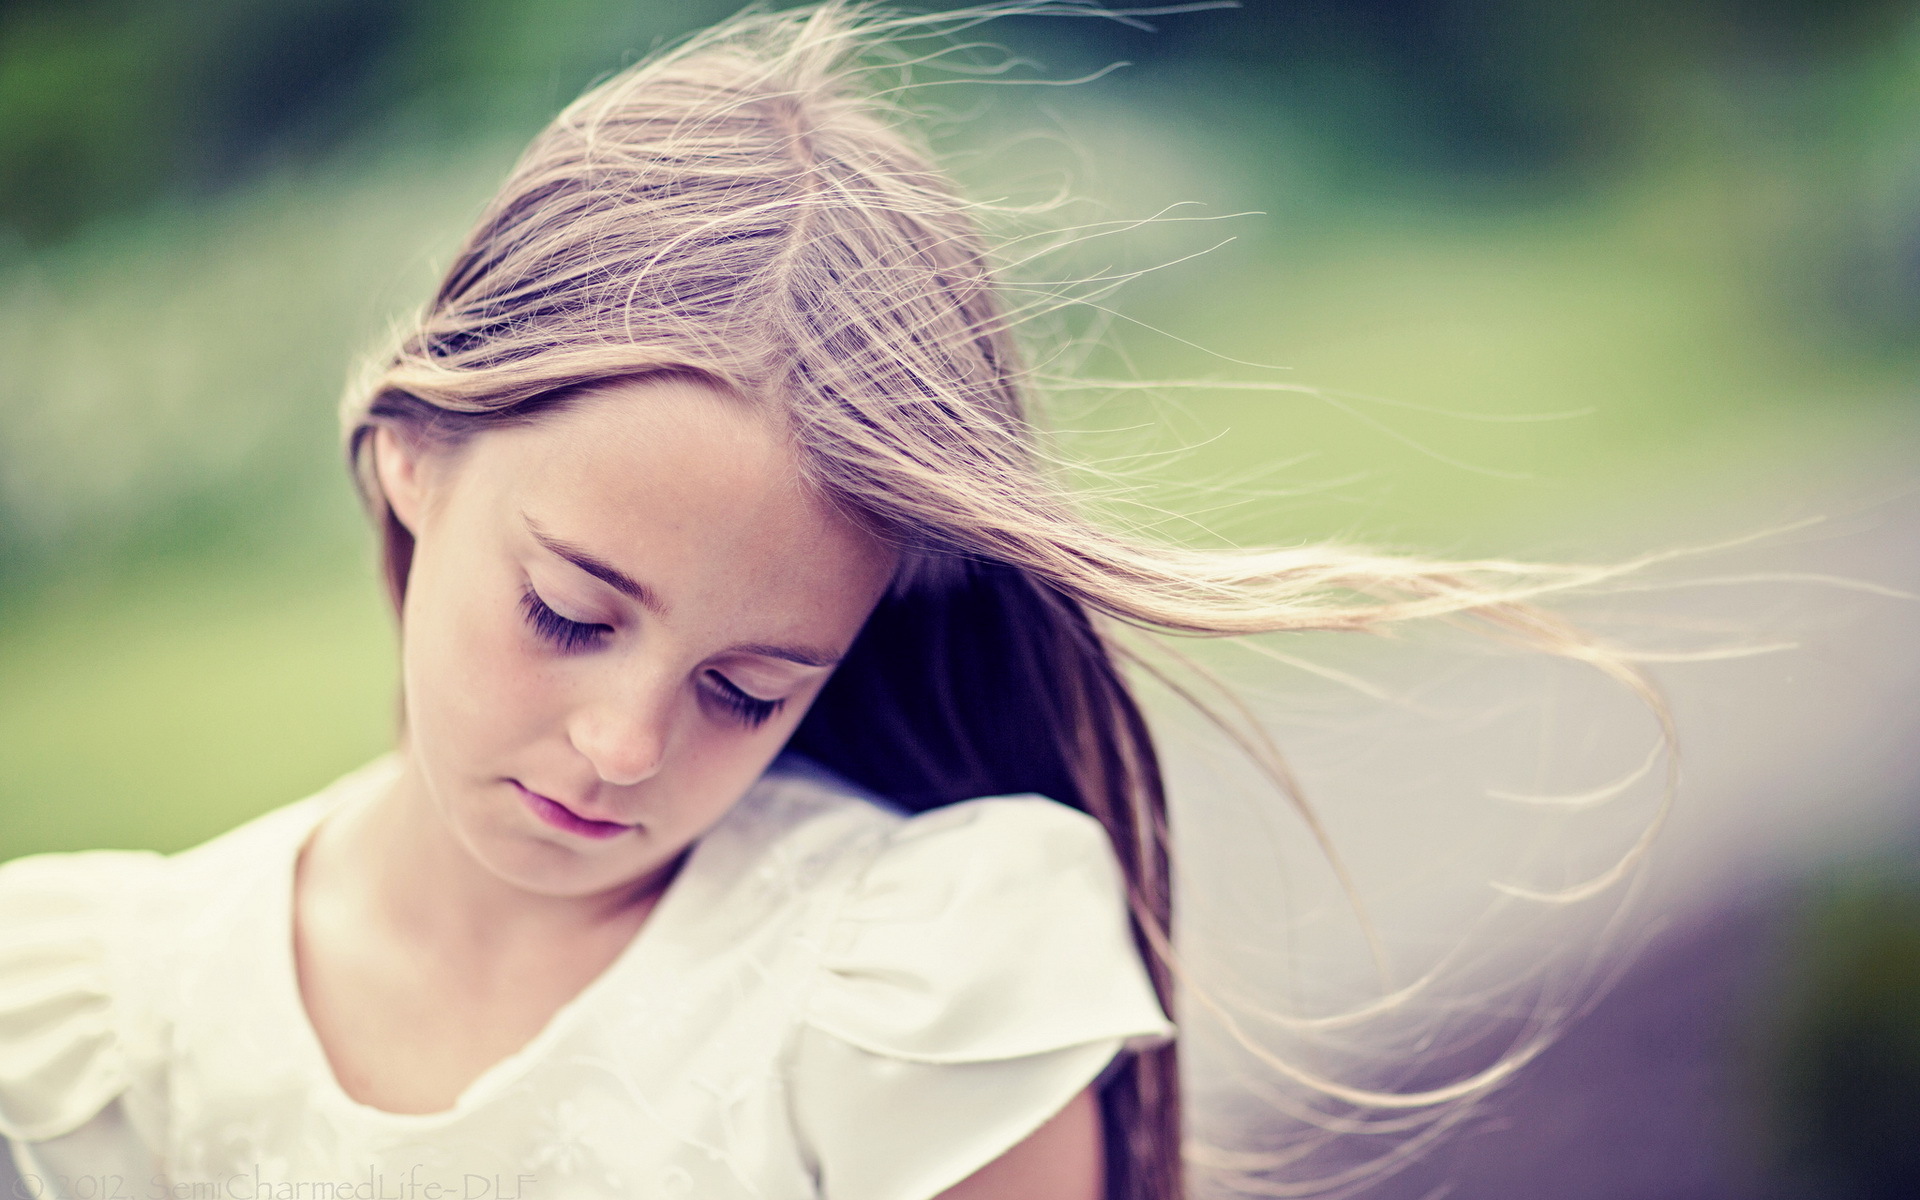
x=713, y=763
x=471, y=684
x=744, y=754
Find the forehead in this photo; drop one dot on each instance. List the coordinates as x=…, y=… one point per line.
x=671, y=433
x=692, y=489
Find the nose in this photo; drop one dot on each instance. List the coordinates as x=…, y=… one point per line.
x=624, y=734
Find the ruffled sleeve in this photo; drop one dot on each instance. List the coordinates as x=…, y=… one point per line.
x=980, y=975
x=61, y=1053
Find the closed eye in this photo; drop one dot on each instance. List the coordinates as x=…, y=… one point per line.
x=564, y=635
x=750, y=711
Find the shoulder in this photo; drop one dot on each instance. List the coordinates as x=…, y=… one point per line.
x=805, y=818
x=87, y=941
x=992, y=928
x=259, y=844
x=189, y=898
x=61, y=1049
x=978, y=974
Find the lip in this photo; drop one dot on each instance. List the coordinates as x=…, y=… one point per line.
x=560, y=816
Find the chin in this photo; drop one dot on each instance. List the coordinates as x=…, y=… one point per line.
x=549, y=863
x=547, y=869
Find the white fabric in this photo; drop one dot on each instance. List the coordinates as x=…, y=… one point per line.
x=832, y=1000
x=103, y=1159
x=852, y=1110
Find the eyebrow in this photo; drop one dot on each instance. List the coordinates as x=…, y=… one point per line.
x=627, y=585
x=804, y=655
x=600, y=569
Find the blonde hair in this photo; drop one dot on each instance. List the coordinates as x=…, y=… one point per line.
x=742, y=207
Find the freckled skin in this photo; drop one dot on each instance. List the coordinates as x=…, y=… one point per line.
x=696, y=496
x=439, y=926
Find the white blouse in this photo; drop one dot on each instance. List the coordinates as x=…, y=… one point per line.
x=831, y=999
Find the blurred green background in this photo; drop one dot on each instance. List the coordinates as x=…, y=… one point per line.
x=1689, y=233
x=1556, y=264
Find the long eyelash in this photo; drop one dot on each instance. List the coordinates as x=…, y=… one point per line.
x=751, y=710
x=564, y=634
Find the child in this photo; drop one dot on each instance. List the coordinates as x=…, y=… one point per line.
x=771, y=817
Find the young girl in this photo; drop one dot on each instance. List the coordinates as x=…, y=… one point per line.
x=771, y=817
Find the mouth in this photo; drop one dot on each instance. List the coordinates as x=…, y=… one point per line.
x=561, y=817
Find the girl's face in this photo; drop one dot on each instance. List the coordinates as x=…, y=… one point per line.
x=614, y=618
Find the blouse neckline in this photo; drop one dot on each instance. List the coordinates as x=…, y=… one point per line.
x=290, y=1009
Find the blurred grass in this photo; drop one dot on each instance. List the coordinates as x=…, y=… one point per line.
x=177, y=704
x=1476, y=372
x=172, y=378
x=188, y=632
